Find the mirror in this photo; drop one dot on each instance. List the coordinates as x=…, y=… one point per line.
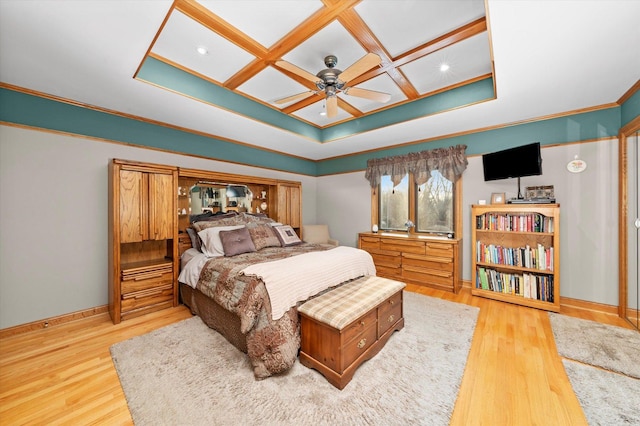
x=219, y=198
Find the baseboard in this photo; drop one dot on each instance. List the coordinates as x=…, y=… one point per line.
x=567, y=302
x=48, y=322
x=570, y=303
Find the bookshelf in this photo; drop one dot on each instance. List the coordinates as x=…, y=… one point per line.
x=516, y=254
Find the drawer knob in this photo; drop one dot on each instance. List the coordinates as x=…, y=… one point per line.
x=361, y=343
x=391, y=318
x=391, y=302
x=362, y=323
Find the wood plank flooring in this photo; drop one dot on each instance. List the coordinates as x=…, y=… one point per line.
x=64, y=374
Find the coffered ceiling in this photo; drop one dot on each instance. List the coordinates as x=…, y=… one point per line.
x=140, y=58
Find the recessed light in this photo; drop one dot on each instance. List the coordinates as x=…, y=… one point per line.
x=202, y=50
x=444, y=67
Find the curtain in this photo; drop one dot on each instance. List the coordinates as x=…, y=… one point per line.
x=450, y=162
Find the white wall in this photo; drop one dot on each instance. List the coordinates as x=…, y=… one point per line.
x=588, y=213
x=53, y=218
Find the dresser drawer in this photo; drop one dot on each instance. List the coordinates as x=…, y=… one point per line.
x=441, y=279
x=356, y=347
x=358, y=326
x=389, y=313
x=439, y=250
x=425, y=262
x=147, y=280
x=404, y=246
x=142, y=299
x=369, y=243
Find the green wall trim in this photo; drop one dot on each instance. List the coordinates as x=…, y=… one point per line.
x=470, y=94
x=35, y=111
x=169, y=77
x=630, y=108
x=172, y=78
x=586, y=126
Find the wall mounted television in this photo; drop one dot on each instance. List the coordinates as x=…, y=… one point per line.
x=516, y=162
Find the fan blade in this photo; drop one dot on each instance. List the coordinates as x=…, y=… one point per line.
x=293, y=97
x=332, y=106
x=361, y=66
x=367, y=94
x=298, y=71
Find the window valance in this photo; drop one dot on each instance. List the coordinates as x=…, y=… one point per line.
x=450, y=162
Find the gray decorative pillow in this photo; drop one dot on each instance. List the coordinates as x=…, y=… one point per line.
x=287, y=235
x=263, y=236
x=237, y=241
x=196, y=243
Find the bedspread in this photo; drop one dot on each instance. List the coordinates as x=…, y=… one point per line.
x=272, y=346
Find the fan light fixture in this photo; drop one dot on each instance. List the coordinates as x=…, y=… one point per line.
x=331, y=81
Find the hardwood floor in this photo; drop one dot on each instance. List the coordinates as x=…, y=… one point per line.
x=64, y=374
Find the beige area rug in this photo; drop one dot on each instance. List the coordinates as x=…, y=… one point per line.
x=603, y=365
x=612, y=348
x=607, y=398
x=187, y=374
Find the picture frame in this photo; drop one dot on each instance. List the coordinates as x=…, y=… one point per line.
x=497, y=198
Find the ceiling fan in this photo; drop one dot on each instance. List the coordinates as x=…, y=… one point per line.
x=332, y=80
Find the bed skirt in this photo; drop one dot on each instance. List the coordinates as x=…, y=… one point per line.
x=215, y=316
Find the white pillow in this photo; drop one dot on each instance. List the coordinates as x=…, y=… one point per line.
x=211, y=243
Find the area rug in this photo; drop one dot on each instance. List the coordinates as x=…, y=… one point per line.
x=187, y=374
x=605, y=346
x=606, y=398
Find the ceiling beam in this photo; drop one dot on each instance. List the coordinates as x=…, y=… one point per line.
x=302, y=32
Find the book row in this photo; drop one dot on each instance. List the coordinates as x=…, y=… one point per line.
x=539, y=257
x=530, y=286
x=522, y=222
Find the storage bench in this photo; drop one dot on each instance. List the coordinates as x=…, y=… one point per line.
x=344, y=327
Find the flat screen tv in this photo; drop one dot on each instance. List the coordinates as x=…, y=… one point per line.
x=514, y=162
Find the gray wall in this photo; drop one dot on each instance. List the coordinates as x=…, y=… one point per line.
x=588, y=213
x=53, y=216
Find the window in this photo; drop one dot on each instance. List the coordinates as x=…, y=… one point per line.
x=394, y=204
x=428, y=191
x=434, y=204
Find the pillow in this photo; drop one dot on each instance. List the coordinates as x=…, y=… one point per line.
x=263, y=236
x=199, y=217
x=195, y=239
x=223, y=221
x=286, y=235
x=237, y=241
x=211, y=243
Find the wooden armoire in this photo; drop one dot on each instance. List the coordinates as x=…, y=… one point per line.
x=143, y=238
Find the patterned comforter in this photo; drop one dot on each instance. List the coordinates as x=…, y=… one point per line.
x=272, y=346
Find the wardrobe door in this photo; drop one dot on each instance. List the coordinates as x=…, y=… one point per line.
x=162, y=211
x=133, y=206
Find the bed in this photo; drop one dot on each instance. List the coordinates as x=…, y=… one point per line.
x=245, y=275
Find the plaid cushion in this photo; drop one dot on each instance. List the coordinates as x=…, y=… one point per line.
x=340, y=307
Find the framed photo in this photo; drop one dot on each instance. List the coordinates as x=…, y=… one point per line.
x=497, y=198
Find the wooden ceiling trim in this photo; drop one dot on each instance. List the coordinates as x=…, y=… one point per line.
x=346, y=106
x=302, y=104
x=302, y=32
x=367, y=39
x=466, y=31
x=216, y=24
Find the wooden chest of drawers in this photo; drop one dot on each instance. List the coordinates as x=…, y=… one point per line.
x=338, y=352
x=431, y=262
x=145, y=287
